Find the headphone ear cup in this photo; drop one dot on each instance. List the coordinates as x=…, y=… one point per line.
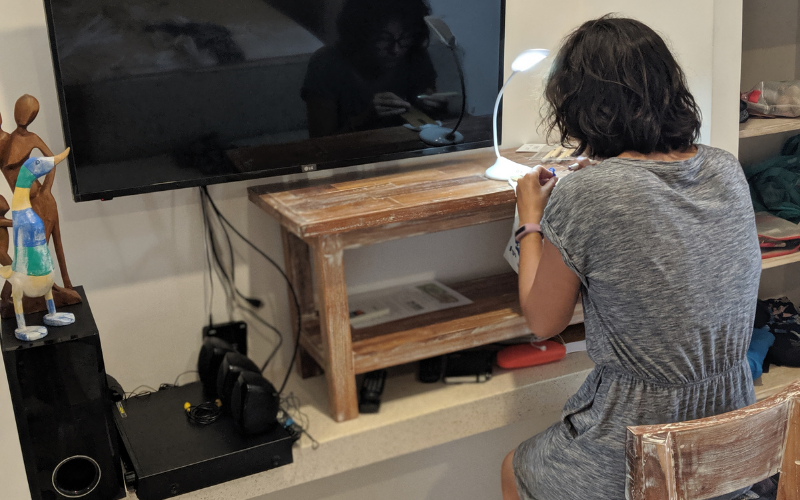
x=232, y=365
x=212, y=352
x=254, y=403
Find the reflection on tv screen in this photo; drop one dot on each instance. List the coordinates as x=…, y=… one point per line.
x=162, y=94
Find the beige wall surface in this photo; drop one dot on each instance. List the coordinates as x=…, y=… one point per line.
x=141, y=261
x=769, y=41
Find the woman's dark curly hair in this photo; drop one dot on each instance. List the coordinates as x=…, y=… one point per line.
x=360, y=22
x=616, y=87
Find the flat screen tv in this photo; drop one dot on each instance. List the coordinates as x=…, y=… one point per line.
x=167, y=94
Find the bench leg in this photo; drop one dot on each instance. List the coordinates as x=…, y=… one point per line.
x=335, y=327
x=297, y=262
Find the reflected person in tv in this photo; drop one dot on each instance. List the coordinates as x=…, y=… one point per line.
x=378, y=69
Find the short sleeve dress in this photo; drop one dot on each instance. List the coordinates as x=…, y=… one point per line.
x=669, y=263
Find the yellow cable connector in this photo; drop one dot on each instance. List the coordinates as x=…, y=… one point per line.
x=186, y=406
x=218, y=403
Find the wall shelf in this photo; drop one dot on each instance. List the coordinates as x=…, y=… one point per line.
x=755, y=127
x=780, y=261
x=493, y=316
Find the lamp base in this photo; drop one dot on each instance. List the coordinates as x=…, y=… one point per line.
x=435, y=135
x=504, y=169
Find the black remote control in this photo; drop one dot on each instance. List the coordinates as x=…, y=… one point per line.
x=369, y=400
x=430, y=370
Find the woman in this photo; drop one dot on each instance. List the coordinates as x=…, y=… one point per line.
x=378, y=68
x=658, y=238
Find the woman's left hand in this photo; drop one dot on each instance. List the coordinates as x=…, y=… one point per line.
x=533, y=191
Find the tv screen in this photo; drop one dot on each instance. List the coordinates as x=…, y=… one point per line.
x=166, y=94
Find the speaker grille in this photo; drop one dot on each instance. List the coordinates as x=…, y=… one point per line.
x=76, y=476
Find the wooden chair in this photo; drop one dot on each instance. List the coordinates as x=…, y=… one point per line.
x=712, y=456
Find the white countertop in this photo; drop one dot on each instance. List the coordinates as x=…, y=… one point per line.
x=415, y=416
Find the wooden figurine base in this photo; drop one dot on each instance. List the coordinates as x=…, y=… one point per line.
x=61, y=296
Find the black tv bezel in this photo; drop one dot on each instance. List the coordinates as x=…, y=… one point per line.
x=78, y=196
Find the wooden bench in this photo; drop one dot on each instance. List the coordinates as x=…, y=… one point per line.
x=321, y=218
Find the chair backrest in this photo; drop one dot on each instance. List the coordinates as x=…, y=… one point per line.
x=709, y=457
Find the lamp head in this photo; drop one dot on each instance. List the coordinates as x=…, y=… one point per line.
x=529, y=59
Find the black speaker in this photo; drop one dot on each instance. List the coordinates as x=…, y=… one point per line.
x=63, y=409
x=211, y=354
x=254, y=403
x=232, y=365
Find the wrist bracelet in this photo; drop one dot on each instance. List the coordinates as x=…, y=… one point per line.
x=525, y=230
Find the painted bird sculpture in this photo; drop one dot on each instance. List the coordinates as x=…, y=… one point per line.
x=31, y=272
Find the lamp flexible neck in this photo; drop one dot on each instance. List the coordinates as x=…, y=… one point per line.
x=452, y=133
x=496, y=108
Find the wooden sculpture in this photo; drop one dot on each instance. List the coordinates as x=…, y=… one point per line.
x=15, y=149
x=31, y=273
x=5, y=223
x=4, y=138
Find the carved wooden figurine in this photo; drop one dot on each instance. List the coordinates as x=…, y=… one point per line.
x=15, y=149
x=4, y=138
x=5, y=223
x=31, y=273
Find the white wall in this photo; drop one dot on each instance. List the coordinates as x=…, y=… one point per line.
x=769, y=53
x=140, y=258
x=769, y=41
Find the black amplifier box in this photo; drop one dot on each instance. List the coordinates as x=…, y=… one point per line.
x=171, y=455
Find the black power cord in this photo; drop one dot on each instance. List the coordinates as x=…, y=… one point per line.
x=206, y=232
x=204, y=413
x=226, y=277
x=221, y=217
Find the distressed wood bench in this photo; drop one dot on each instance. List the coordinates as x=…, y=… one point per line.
x=323, y=217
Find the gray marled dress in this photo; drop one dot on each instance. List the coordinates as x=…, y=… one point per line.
x=669, y=263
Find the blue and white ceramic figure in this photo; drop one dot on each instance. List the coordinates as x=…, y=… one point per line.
x=31, y=273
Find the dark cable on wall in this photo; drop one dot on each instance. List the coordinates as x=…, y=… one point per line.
x=278, y=268
x=223, y=221
x=225, y=277
x=208, y=262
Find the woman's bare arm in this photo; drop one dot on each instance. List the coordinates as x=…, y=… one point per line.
x=548, y=289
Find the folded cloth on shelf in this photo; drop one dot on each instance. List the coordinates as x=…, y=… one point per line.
x=772, y=229
x=784, y=323
x=776, y=236
x=762, y=315
x=774, y=182
x=759, y=345
x=766, y=489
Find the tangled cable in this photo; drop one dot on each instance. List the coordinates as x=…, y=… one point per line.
x=204, y=413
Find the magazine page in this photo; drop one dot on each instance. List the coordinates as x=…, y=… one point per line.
x=390, y=304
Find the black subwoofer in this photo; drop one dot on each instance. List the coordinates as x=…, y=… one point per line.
x=63, y=409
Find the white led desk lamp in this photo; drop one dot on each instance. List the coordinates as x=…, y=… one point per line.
x=503, y=169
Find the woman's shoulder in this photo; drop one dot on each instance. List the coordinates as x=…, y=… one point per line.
x=716, y=152
x=716, y=155
x=593, y=177
x=619, y=171
x=704, y=155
